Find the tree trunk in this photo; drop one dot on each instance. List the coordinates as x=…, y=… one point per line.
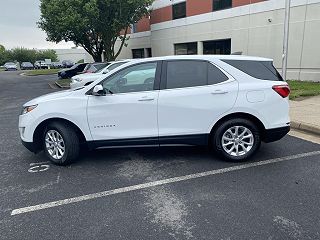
x=97, y=57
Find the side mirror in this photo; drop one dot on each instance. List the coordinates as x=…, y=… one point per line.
x=98, y=90
x=105, y=71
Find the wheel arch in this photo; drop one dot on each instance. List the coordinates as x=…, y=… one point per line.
x=244, y=115
x=38, y=133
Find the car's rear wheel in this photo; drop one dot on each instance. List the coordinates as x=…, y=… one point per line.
x=61, y=143
x=236, y=139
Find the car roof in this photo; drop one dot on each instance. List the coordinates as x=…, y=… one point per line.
x=205, y=57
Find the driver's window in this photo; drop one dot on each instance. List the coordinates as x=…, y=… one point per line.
x=137, y=78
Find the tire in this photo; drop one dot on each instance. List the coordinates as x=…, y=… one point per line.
x=226, y=142
x=54, y=133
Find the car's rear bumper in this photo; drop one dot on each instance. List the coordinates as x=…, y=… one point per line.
x=272, y=135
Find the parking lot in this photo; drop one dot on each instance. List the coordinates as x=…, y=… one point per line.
x=152, y=193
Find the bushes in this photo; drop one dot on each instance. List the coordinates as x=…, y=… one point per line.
x=25, y=55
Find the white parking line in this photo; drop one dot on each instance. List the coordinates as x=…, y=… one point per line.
x=156, y=183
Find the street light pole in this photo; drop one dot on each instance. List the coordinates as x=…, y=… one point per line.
x=286, y=39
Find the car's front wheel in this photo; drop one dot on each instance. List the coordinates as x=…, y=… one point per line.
x=61, y=143
x=236, y=139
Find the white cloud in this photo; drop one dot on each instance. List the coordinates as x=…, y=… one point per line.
x=18, y=26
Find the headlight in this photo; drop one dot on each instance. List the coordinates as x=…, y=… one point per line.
x=28, y=109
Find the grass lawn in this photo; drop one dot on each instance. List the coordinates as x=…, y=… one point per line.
x=303, y=89
x=65, y=83
x=37, y=72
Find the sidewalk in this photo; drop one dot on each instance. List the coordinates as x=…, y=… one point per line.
x=305, y=115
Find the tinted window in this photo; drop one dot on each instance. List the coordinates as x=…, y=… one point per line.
x=221, y=4
x=186, y=74
x=179, y=10
x=186, y=48
x=257, y=69
x=133, y=79
x=215, y=75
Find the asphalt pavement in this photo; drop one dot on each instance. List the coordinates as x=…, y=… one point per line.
x=152, y=193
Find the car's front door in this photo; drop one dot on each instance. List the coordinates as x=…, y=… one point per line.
x=129, y=109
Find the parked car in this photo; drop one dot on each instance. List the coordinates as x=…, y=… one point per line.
x=41, y=64
x=86, y=79
x=67, y=63
x=10, y=66
x=230, y=103
x=26, y=66
x=56, y=65
x=94, y=67
x=70, y=72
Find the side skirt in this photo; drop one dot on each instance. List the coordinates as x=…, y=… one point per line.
x=193, y=140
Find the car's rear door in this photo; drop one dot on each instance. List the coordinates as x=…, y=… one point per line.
x=194, y=94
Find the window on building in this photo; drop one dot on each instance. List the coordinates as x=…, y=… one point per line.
x=138, y=53
x=222, y=47
x=134, y=28
x=179, y=10
x=186, y=74
x=149, y=51
x=221, y=4
x=186, y=48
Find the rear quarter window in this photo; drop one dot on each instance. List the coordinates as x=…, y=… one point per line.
x=263, y=70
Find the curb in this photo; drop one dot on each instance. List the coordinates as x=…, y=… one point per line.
x=305, y=127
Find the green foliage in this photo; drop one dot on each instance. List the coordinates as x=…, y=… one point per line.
x=38, y=72
x=25, y=55
x=303, y=89
x=81, y=61
x=93, y=24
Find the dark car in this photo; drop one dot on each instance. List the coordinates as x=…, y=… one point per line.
x=94, y=67
x=56, y=65
x=74, y=70
x=67, y=63
x=26, y=66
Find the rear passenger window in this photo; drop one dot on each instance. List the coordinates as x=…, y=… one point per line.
x=182, y=74
x=257, y=69
x=215, y=75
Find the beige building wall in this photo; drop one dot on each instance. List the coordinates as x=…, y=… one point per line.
x=255, y=30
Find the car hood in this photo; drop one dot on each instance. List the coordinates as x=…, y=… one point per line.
x=48, y=97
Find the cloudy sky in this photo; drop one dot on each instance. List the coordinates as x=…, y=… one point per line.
x=18, y=26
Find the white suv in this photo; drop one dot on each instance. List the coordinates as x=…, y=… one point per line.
x=231, y=103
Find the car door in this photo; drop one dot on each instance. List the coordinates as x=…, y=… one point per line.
x=193, y=95
x=129, y=111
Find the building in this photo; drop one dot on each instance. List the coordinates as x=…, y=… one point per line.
x=73, y=54
x=250, y=27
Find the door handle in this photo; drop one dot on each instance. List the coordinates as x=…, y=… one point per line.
x=219, y=92
x=146, y=99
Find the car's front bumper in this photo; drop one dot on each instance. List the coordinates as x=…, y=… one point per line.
x=30, y=146
x=272, y=135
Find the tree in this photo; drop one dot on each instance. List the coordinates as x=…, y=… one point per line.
x=94, y=25
x=25, y=55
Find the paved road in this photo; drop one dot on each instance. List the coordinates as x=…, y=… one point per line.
x=274, y=196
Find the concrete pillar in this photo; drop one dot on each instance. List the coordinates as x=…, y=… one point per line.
x=146, y=54
x=200, y=48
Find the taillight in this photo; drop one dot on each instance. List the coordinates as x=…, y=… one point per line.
x=282, y=90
